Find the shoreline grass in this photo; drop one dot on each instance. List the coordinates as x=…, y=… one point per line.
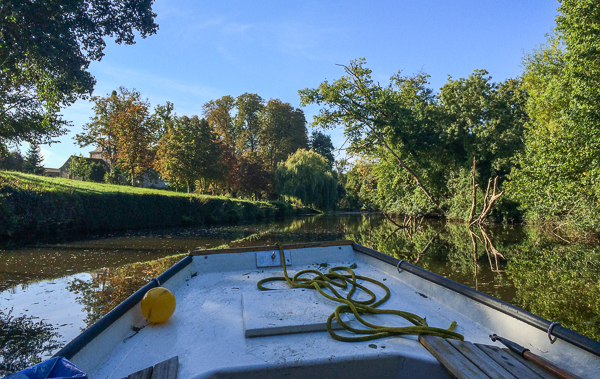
x=37, y=207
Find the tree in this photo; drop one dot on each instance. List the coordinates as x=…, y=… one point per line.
x=12, y=161
x=422, y=144
x=321, y=144
x=164, y=117
x=33, y=160
x=557, y=176
x=307, y=176
x=79, y=167
x=253, y=178
x=219, y=117
x=395, y=118
x=189, y=152
x=122, y=126
x=97, y=172
x=247, y=122
x=46, y=48
x=482, y=119
x=283, y=132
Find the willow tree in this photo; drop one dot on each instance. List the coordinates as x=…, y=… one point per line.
x=307, y=176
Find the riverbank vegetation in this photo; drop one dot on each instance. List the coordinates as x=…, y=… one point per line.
x=520, y=149
x=531, y=141
x=36, y=207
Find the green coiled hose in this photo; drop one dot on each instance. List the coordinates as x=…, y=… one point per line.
x=335, y=279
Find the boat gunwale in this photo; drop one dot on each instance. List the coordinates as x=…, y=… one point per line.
x=94, y=330
x=565, y=334
x=529, y=318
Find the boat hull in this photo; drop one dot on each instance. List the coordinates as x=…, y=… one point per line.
x=207, y=331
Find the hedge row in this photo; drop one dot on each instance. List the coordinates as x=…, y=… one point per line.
x=30, y=212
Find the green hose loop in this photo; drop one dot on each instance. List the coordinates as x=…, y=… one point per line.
x=333, y=278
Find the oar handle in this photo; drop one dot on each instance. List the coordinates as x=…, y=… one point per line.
x=548, y=366
x=536, y=359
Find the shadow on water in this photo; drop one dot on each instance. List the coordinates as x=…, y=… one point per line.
x=557, y=281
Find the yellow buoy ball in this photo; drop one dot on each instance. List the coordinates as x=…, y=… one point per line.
x=158, y=305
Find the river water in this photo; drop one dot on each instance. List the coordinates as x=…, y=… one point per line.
x=68, y=286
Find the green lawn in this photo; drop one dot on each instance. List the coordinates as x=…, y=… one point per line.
x=36, y=207
x=38, y=183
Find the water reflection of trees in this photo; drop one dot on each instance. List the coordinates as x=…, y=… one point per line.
x=111, y=286
x=24, y=340
x=558, y=282
x=538, y=273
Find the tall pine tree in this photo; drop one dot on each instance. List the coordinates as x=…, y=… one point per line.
x=33, y=160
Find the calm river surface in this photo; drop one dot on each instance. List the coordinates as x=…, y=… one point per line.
x=70, y=285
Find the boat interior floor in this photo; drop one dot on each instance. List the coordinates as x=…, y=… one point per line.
x=218, y=302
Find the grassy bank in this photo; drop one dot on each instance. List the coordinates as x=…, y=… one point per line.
x=36, y=207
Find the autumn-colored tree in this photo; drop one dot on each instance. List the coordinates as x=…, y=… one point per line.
x=218, y=113
x=253, y=180
x=122, y=126
x=188, y=152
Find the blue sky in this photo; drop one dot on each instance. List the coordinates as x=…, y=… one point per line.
x=207, y=49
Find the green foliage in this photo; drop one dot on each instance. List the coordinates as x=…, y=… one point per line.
x=321, y=143
x=51, y=208
x=361, y=186
x=97, y=172
x=79, y=167
x=33, y=160
x=418, y=142
x=283, y=132
x=482, y=119
x=556, y=178
x=188, y=151
x=11, y=161
x=307, y=176
x=46, y=48
x=82, y=168
x=218, y=113
x=23, y=340
x=247, y=122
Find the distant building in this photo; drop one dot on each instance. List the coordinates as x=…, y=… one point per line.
x=97, y=153
x=150, y=179
x=52, y=172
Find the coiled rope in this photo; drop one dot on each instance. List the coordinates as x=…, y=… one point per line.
x=334, y=279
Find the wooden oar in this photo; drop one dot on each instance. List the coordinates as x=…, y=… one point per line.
x=541, y=362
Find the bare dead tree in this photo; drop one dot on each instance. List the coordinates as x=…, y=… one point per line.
x=474, y=203
x=488, y=201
